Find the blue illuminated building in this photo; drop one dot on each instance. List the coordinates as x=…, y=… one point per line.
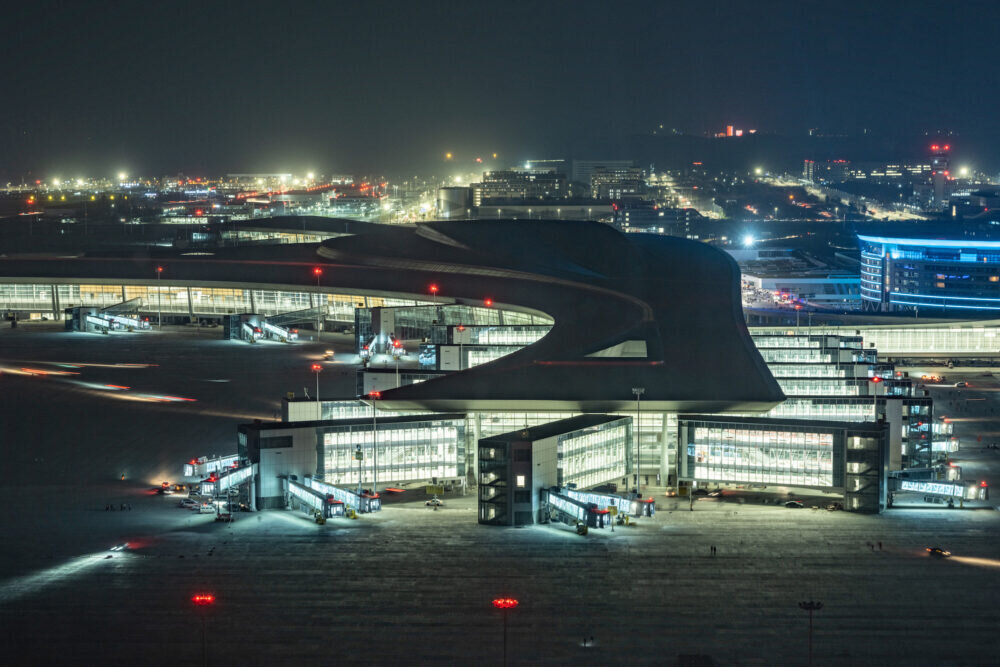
x=905, y=274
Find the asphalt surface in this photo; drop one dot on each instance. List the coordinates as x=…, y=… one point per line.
x=412, y=585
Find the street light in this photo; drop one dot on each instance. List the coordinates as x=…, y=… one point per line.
x=505, y=605
x=638, y=391
x=810, y=606
x=875, y=380
x=203, y=600
x=317, y=272
x=159, y=299
x=317, y=368
x=397, y=351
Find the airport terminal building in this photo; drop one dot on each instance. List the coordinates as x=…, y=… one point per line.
x=529, y=325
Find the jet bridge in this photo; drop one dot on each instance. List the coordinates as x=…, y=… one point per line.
x=557, y=505
x=219, y=484
x=311, y=500
x=279, y=333
x=364, y=503
x=205, y=466
x=631, y=506
x=939, y=492
x=91, y=320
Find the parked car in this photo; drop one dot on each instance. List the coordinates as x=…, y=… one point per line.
x=434, y=502
x=188, y=503
x=206, y=509
x=793, y=504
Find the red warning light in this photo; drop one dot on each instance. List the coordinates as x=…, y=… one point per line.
x=159, y=269
x=935, y=147
x=317, y=367
x=947, y=147
x=203, y=599
x=433, y=289
x=317, y=271
x=375, y=394
x=505, y=603
x=396, y=343
x=876, y=379
x=488, y=302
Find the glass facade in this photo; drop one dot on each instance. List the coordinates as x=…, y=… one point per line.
x=762, y=455
x=407, y=451
x=595, y=456
x=175, y=300
x=902, y=274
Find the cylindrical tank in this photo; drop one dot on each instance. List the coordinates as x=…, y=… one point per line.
x=453, y=202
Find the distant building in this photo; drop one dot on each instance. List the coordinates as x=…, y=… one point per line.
x=617, y=183
x=583, y=169
x=454, y=202
x=512, y=184
x=904, y=274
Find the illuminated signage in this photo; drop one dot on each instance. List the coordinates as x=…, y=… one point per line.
x=935, y=488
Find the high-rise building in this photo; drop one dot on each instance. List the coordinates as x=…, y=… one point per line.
x=940, y=171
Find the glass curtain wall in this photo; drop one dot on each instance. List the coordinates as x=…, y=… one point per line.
x=763, y=456
x=406, y=452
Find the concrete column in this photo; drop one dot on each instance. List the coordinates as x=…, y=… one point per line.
x=477, y=430
x=253, y=302
x=668, y=441
x=55, y=302
x=190, y=304
x=123, y=293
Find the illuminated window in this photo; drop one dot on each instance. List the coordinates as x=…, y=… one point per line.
x=520, y=481
x=994, y=279
x=938, y=284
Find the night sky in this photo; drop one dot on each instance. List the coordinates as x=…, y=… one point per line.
x=208, y=87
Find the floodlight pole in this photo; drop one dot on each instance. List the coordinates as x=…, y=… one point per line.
x=638, y=391
x=810, y=607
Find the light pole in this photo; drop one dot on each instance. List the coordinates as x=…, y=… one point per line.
x=316, y=368
x=159, y=299
x=505, y=605
x=875, y=380
x=397, y=352
x=203, y=600
x=810, y=606
x=317, y=272
x=798, y=309
x=638, y=391
x=375, y=395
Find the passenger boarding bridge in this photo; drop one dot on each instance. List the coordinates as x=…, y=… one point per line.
x=320, y=504
x=205, y=466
